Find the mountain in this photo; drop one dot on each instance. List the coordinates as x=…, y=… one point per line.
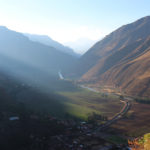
x=28, y=60
x=121, y=59
x=132, y=74
x=44, y=39
x=81, y=45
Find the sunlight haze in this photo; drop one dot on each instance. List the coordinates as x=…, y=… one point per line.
x=69, y=20
x=74, y=74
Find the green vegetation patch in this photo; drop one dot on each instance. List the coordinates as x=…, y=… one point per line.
x=78, y=111
x=82, y=103
x=117, y=139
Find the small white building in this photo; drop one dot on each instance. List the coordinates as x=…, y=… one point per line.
x=14, y=118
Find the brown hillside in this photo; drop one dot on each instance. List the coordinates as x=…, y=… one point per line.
x=122, y=59
x=116, y=41
x=132, y=76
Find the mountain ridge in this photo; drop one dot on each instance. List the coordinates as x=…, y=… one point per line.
x=28, y=54
x=118, y=55
x=45, y=39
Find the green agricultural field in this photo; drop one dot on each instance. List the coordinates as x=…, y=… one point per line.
x=64, y=98
x=82, y=102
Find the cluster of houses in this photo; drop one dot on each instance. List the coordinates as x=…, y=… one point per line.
x=81, y=136
x=76, y=136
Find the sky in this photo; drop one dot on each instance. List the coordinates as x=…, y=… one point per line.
x=71, y=20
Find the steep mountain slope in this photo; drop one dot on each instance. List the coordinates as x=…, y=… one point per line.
x=133, y=76
x=47, y=59
x=44, y=39
x=121, y=59
x=112, y=43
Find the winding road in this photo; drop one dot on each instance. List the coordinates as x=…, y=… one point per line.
x=118, y=116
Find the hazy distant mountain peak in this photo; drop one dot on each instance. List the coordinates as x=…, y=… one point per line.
x=81, y=45
x=44, y=39
x=3, y=28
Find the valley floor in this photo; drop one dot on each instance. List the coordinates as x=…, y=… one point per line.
x=136, y=121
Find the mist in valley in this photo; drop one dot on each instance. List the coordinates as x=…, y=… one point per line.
x=73, y=78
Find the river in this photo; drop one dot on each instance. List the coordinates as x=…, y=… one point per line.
x=60, y=75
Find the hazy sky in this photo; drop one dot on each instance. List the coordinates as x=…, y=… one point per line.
x=69, y=20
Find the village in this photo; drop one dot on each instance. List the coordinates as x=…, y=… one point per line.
x=50, y=133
